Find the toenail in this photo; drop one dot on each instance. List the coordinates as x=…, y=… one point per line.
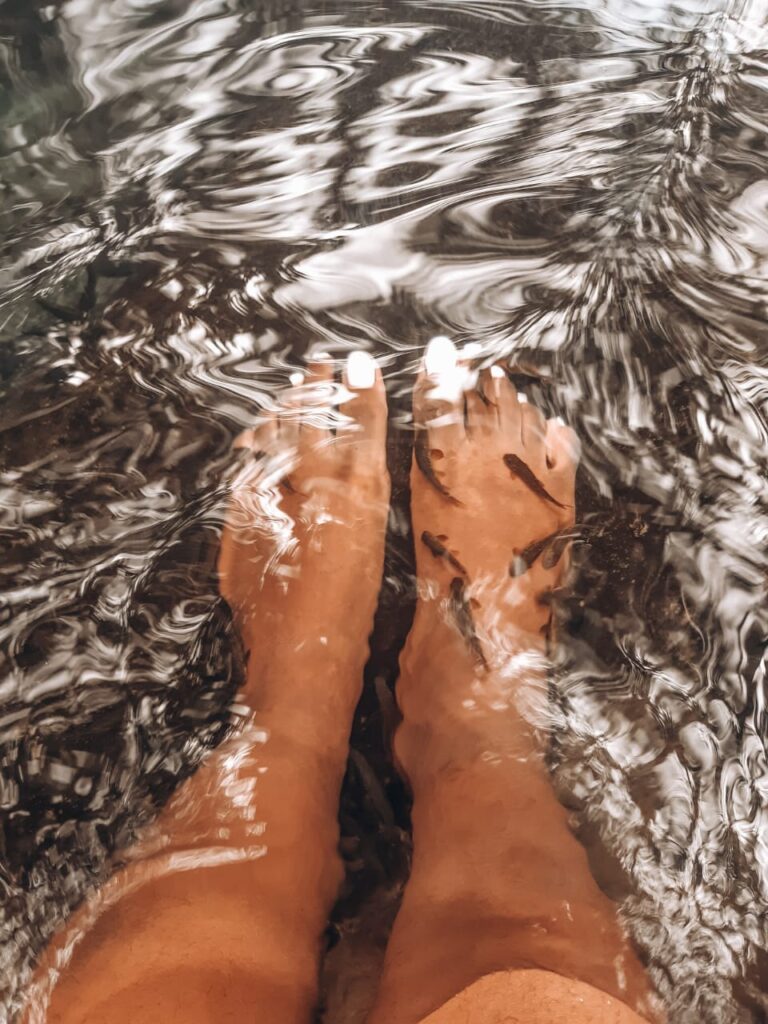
x=559, y=421
x=361, y=370
x=497, y=372
x=436, y=453
x=296, y=379
x=522, y=399
x=441, y=356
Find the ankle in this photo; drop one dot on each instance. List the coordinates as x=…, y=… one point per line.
x=434, y=639
x=308, y=686
x=460, y=713
x=437, y=644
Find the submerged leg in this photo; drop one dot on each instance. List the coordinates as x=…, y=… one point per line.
x=499, y=883
x=219, y=917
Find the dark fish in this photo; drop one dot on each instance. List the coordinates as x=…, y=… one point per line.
x=516, y=466
x=462, y=616
x=524, y=559
x=424, y=462
x=551, y=548
x=439, y=550
x=554, y=552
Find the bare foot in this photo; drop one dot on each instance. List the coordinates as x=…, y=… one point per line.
x=499, y=884
x=492, y=503
x=225, y=901
x=303, y=548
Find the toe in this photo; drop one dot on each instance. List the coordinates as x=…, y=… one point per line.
x=364, y=437
x=508, y=407
x=482, y=418
x=487, y=385
x=367, y=405
x=563, y=447
x=316, y=406
x=534, y=428
x=438, y=398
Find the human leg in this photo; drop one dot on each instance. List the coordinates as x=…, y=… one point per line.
x=221, y=917
x=499, y=883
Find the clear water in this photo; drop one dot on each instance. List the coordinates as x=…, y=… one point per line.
x=193, y=194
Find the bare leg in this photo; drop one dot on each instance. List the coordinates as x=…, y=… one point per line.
x=223, y=920
x=499, y=883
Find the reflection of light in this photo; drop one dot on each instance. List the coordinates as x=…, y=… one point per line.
x=172, y=289
x=253, y=287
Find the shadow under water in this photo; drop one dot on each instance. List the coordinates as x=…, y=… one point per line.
x=196, y=194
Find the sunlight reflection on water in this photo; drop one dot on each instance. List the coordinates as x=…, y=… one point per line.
x=195, y=195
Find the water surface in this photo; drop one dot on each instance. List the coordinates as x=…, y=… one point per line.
x=194, y=195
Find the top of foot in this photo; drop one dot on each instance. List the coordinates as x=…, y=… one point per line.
x=492, y=496
x=303, y=543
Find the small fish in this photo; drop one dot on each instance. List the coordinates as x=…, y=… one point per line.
x=439, y=550
x=424, y=462
x=554, y=552
x=524, y=559
x=516, y=466
x=551, y=548
x=462, y=616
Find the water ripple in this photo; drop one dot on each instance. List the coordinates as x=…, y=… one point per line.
x=196, y=195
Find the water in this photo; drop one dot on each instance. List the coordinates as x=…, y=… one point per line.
x=194, y=195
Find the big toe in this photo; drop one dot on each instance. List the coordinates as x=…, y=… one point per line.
x=438, y=397
x=362, y=441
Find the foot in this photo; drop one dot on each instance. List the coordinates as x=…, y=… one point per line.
x=303, y=546
x=226, y=901
x=498, y=882
x=492, y=504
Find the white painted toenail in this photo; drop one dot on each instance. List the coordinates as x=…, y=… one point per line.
x=497, y=372
x=361, y=370
x=559, y=421
x=522, y=399
x=441, y=356
x=321, y=357
x=296, y=379
x=471, y=350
